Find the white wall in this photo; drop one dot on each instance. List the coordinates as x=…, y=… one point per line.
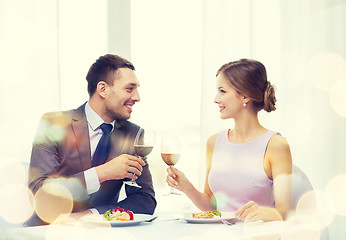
x=166, y=48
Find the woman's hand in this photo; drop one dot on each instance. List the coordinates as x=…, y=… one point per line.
x=177, y=179
x=251, y=212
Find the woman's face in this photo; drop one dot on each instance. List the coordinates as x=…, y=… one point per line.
x=227, y=98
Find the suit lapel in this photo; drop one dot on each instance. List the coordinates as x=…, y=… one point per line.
x=81, y=131
x=120, y=141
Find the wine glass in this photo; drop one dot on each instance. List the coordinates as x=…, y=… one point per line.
x=170, y=153
x=143, y=145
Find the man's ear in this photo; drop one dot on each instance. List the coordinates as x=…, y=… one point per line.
x=101, y=88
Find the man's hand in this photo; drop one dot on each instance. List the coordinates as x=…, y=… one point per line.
x=120, y=167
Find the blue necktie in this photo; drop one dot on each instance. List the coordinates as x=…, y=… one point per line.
x=104, y=145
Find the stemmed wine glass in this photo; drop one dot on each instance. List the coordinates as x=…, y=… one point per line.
x=143, y=145
x=170, y=153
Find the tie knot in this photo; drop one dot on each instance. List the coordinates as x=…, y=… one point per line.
x=106, y=128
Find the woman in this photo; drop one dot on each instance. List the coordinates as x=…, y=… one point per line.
x=248, y=167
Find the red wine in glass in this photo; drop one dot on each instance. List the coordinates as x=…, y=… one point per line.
x=143, y=150
x=143, y=145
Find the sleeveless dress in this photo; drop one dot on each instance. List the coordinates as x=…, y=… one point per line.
x=237, y=174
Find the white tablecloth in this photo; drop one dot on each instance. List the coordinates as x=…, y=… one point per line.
x=166, y=228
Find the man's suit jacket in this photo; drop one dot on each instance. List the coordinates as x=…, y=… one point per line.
x=62, y=149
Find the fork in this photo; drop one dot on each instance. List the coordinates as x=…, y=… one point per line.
x=231, y=222
x=152, y=219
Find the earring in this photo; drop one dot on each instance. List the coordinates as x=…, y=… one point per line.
x=244, y=104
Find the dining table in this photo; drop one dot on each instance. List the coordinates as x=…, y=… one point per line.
x=165, y=226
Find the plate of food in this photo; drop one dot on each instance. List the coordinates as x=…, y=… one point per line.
x=119, y=217
x=209, y=217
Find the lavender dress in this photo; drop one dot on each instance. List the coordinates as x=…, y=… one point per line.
x=237, y=174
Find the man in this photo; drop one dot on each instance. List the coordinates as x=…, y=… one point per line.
x=66, y=147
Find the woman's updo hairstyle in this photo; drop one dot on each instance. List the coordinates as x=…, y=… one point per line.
x=249, y=78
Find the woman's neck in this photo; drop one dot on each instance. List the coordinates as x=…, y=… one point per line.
x=246, y=129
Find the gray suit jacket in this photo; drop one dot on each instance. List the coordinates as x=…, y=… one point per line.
x=61, y=148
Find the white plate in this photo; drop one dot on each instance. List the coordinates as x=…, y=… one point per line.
x=224, y=216
x=137, y=219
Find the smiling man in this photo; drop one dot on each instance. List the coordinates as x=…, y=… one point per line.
x=89, y=150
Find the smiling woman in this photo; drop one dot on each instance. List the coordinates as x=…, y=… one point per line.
x=244, y=162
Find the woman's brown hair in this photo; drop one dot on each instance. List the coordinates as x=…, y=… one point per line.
x=249, y=78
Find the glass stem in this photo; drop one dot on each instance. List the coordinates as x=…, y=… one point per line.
x=172, y=191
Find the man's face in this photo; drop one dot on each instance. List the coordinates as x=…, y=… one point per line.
x=121, y=97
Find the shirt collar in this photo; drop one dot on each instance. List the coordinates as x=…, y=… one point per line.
x=94, y=120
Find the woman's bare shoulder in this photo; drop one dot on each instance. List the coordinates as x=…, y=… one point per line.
x=211, y=141
x=278, y=143
x=279, y=151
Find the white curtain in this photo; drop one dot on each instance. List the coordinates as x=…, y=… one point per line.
x=302, y=46
x=313, y=73
x=46, y=48
x=29, y=75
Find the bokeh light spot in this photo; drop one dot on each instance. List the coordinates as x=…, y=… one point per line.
x=86, y=229
x=284, y=183
x=218, y=233
x=58, y=232
x=110, y=233
x=219, y=200
x=337, y=97
x=42, y=129
x=11, y=171
x=92, y=221
x=52, y=200
x=61, y=119
x=74, y=185
x=57, y=133
x=48, y=131
x=315, y=209
x=17, y=203
x=336, y=189
x=290, y=232
x=325, y=69
x=260, y=231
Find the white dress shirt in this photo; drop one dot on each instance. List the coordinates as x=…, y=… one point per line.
x=95, y=134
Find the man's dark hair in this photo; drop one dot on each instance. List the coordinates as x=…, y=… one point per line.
x=103, y=65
